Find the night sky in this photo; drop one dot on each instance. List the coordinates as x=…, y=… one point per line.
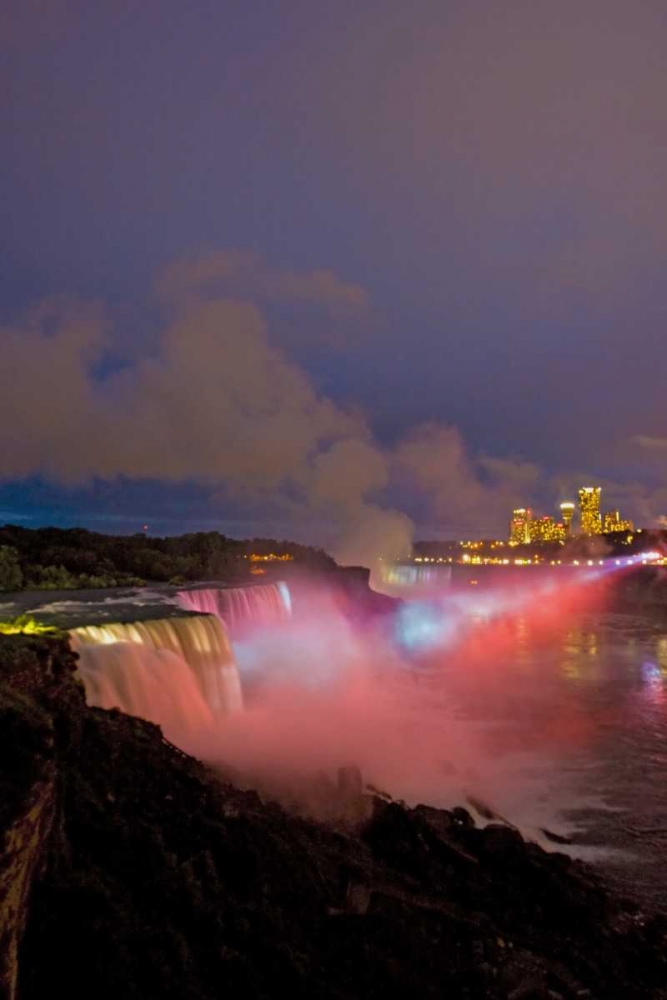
x=330, y=270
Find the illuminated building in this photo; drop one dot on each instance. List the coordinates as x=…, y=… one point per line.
x=560, y=532
x=539, y=528
x=614, y=522
x=567, y=513
x=545, y=529
x=520, y=526
x=589, y=508
x=270, y=557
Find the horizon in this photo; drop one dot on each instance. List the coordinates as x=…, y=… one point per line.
x=135, y=529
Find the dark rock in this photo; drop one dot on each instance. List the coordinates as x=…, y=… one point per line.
x=358, y=897
x=462, y=817
x=502, y=842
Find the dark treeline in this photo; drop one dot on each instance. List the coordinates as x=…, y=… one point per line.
x=57, y=558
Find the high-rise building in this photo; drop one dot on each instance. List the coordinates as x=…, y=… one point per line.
x=614, y=522
x=520, y=526
x=567, y=513
x=589, y=509
x=545, y=529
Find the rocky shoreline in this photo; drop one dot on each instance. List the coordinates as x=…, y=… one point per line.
x=132, y=870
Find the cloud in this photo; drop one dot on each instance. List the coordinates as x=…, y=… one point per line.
x=217, y=403
x=248, y=276
x=220, y=402
x=310, y=311
x=465, y=494
x=349, y=471
x=214, y=403
x=650, y=443
x=48, y=411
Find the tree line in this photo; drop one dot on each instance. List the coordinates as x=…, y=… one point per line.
x=74, y=558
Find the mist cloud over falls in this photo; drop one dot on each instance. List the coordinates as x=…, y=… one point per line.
x=211, y=399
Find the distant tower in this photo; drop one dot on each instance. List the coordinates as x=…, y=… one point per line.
x=567, y=513
x=589, y=508
x=520, y=526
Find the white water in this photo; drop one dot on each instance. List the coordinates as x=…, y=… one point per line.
x=153, y=684
x=179, y=672
x=240, y=607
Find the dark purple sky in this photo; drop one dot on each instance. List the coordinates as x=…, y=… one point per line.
x=437, y=229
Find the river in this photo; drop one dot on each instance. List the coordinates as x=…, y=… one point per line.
x=579, y=705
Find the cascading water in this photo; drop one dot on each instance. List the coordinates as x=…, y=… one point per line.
x=178, y=672
x=154, y=684
x=241, y=607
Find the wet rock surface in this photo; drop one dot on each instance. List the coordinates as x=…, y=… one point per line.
x=156, y=879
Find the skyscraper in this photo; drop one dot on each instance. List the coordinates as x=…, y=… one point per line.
x=520, y=526
x=614, y=522
x=545, y=529
x=567, y=513
x=589, y=509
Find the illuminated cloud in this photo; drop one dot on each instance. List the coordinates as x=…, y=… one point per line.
x=213, y=400
x=238, y=274
x=469, y=494
x=215, y=403
x=651, y=443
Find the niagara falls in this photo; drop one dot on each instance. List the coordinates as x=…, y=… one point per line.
x=333, y=500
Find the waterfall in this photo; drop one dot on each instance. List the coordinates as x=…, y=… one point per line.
x=397, y=580
x=179, y=672
x=241, y=607
x=154, y=684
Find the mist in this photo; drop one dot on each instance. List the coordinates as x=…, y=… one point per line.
x=426, y=715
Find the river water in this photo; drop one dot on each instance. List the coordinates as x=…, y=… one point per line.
x=579, y=704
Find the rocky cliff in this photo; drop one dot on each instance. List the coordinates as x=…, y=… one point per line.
x=130, y=870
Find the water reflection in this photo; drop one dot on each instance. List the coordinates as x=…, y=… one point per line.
x=654, y=682
x=586, y=700
x=661, y=652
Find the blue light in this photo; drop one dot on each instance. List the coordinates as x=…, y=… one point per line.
x=421, y=626
x=651, y=673
x=286, y=596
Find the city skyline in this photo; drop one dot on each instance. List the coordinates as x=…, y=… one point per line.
x=525, y=528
